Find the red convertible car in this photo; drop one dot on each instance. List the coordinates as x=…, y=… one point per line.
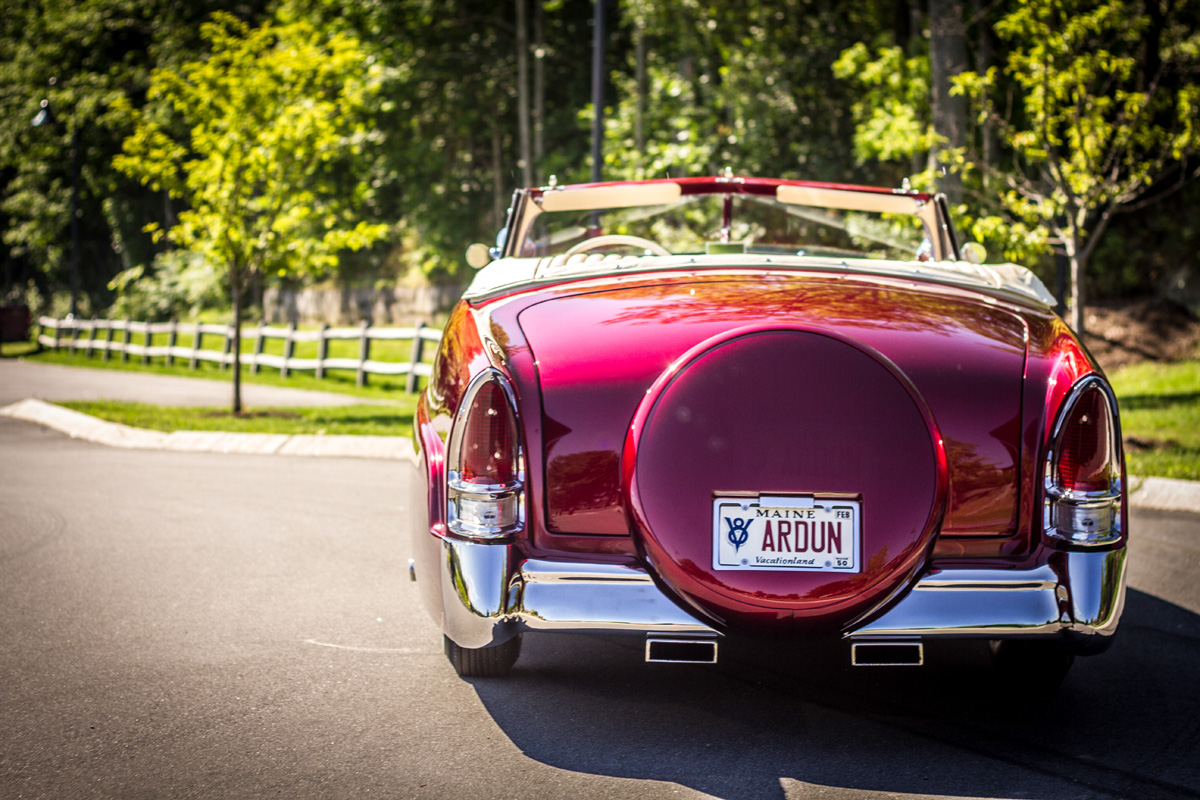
x=693, y=409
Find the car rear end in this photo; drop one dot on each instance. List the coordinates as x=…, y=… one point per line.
x=701, y=453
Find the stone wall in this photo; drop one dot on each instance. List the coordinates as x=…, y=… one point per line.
x=397, y=306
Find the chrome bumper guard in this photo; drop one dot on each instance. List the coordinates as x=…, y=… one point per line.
x=490, y=595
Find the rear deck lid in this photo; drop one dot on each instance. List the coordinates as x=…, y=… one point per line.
x=598, y=354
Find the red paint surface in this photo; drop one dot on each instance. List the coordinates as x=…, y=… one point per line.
x=598, y=353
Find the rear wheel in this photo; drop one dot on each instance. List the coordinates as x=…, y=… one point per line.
x=483, y=662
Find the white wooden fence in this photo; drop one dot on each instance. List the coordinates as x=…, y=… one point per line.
x=99, y=335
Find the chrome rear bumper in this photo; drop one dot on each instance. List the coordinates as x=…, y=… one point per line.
x=487, y=597
x=1079, y=596
x=490, y=595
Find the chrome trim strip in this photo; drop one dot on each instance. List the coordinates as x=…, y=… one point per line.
x=868, y=644
x=1042, y=577
x=707, y=645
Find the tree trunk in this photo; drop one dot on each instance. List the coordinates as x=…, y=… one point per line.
x=598, y=57
x=902, y=25
x=523, y=95
x=1077, y=257
x=539, y=89
x=983, y=62
x=236, y=275
x=1078, y=294
x=497, y=176
x=639, y=124
x=948, y=57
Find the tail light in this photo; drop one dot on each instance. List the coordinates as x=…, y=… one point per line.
x=485, y=486
x=1083, y=468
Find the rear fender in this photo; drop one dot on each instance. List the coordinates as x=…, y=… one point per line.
x=1066, y=363
x=427, y=512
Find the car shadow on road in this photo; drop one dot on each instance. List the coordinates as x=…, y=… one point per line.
x=769, y=720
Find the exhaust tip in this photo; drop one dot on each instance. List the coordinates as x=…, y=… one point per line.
x=665, y=650
x=887, y=654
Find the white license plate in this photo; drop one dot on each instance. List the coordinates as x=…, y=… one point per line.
x=773, y=532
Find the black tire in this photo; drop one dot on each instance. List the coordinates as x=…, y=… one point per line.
x=1031, y=668
x=483, y=662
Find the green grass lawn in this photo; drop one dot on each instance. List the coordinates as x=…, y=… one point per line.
x=1160, y=418
x=17, y=349
x=356, y=420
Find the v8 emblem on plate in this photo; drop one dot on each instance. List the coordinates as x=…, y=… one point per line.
x=739, y=531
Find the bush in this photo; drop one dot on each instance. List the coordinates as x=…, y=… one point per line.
x=182, y=284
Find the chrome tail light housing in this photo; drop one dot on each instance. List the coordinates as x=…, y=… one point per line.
x=1084, y=468
x=485, y=490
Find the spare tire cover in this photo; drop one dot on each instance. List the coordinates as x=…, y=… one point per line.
x=791, y=411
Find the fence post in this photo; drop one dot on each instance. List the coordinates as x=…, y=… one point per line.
x=364, y=352
x=74, y=335
x=172, y=339
x=418, y=352
x=126, y=338
x=147, y=341
x=108, y=334
x=289, y=348
x=258, y=346
x=87, y=345
x=196, y=345
x=322, y=350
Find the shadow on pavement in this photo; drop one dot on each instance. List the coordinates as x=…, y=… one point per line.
x=766, y=721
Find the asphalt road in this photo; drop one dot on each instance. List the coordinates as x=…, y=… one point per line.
x=195, y=625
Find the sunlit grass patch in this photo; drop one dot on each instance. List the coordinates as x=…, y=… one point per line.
x=1160, y=418
x=355, y=420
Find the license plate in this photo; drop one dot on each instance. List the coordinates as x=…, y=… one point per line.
x=786, y=532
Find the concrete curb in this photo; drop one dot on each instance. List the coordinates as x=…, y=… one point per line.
x=88, y=428
x=1164, y=494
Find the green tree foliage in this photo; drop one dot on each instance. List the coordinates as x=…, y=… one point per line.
x=181, y=284
x=740, y=85
x=822, y=89
x=1108, y=103
x=894, y=126
x=449, y=161
x=274, y=124
x=97, y=51
x=893, y=120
